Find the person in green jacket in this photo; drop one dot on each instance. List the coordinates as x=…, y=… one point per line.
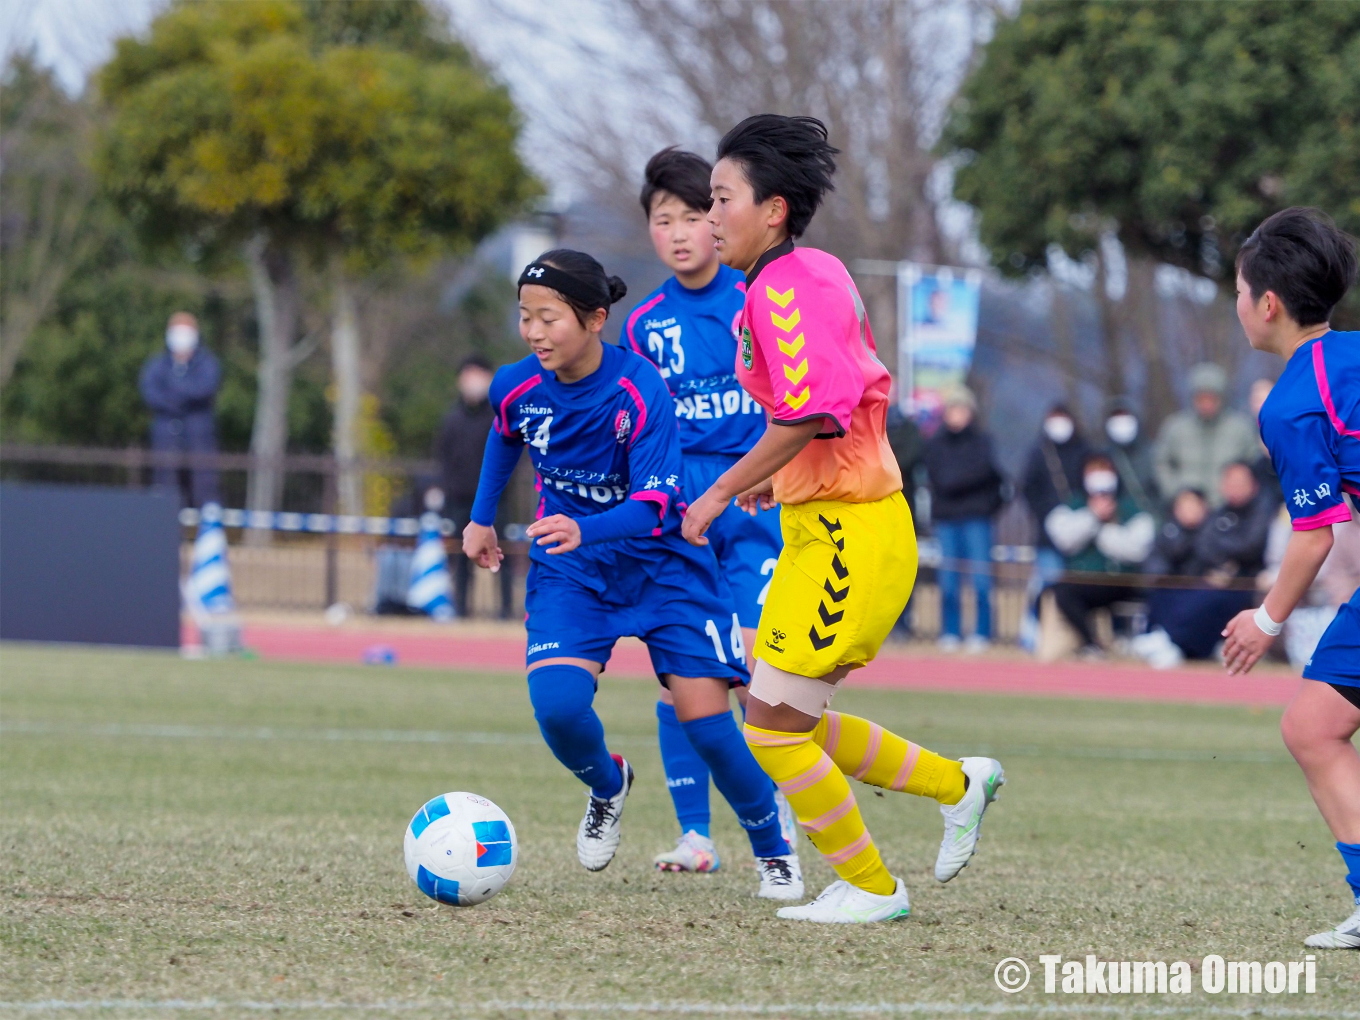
x=1194, y=446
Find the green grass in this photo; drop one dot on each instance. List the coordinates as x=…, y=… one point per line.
x=230, y=832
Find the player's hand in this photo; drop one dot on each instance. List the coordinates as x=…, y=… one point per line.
x=699, y=516
x=482, y=547
x=1244, y=643
x=558, y=531
x=757, y=498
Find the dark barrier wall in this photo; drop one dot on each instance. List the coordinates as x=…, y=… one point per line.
x=90, y=565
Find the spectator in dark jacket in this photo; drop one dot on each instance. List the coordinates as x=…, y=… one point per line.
x=458, y=449
x=1173, y=551
x=180, y=387
x=1052, y=478
x=965, y=491
x=1229, y=547
x=908, y=447
x=1131, y=453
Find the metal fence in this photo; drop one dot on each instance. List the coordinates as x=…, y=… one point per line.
x=282, y=562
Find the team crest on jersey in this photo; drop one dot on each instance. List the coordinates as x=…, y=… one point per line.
x=623, y=426
x=747, y=354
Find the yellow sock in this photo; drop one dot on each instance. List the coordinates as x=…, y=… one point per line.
x=875, y=756
x=821, y=798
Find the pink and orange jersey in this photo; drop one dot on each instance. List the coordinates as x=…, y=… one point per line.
x=806, y=351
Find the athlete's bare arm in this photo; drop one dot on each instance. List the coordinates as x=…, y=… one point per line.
x=779, y=445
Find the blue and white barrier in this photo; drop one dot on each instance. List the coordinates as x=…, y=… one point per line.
x=333, y=524
x=207, y=589
x=431, y=589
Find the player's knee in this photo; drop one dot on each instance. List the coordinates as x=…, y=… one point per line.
x=1300, y=734
x=560, y=694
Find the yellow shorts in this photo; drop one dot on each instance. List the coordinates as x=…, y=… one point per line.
x=841, y=583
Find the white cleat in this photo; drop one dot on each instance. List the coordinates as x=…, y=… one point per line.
x=842, y=903
x=598, y=837
x=788, y=822
x=692, y=852
x=781, y=878
x=1345, y=935
x=963, y=821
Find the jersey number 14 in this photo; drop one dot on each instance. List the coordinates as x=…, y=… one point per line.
x=738, y=645
x=541, y=435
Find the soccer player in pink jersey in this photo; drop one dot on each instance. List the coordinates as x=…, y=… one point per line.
x=806, y=353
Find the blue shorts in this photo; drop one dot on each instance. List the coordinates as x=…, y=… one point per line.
x=747, y=547
x=1336, y=660
x=689, y=631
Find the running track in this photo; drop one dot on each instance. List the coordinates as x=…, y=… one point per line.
x=987, y=674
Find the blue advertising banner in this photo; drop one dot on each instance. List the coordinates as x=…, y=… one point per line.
x=937, y=323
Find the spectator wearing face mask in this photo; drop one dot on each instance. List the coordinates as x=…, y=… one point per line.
x=458, y=449
x=965, y=487
x=1195, y=445
x=1131, y=453
x=1229, y=546
x=1053, y=473
x=180, y=386
x=1102, y=531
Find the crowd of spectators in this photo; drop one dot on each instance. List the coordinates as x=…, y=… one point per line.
x=1168, y=537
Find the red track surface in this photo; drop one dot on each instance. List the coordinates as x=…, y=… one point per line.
x=991, y=674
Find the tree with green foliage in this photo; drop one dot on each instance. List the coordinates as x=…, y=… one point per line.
x=1175, y=127
x=301, y=132
x=48, y=200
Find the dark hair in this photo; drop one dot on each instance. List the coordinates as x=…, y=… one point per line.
x=1244, y=465
x=1302, y=256
x=475, y=360
x=1095, y=460
x=673, y=171
x=590, y=275
x=785, y=156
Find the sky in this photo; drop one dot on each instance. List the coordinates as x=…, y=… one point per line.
x=535, y=48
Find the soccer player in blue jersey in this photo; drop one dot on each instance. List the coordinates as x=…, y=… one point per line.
x=687, y=327
x=607, y=558
x=1291, y=272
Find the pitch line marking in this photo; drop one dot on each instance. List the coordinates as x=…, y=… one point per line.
x=704, y=1008
x=364, y=736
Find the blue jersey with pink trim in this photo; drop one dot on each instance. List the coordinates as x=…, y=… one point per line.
x=595, y=443
x=1310, y=423
x=690, y=335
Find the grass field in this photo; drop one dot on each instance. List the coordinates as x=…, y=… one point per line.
x=224, y=838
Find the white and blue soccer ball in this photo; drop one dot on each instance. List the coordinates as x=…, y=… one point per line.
x=461, y=849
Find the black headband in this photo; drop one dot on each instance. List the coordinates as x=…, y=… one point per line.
x=544, y=275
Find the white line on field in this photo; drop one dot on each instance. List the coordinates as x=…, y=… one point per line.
x=465, y=1007
x=192, y=732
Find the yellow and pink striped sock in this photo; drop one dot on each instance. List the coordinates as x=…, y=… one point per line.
x=873, y=755
x=821, y=798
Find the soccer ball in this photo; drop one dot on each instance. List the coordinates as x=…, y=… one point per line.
x=460, y=849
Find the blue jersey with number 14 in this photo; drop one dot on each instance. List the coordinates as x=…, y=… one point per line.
x=690, y=336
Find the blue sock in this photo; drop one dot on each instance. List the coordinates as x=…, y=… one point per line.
x=561, y=696
x=686, y=773
x=738, y=778
x=1350, y=853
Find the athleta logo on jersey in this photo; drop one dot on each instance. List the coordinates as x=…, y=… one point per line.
x=623, y=426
